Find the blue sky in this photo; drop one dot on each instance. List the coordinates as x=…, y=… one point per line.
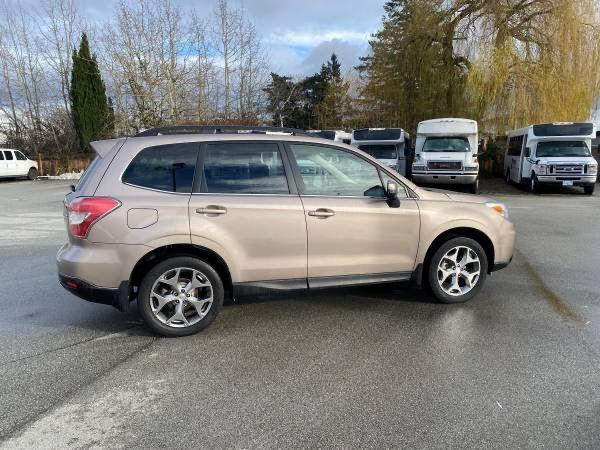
x=298, y=35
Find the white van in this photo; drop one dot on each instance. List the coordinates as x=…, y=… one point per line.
x=389, y=145
x=552, y=153
x=446, y=153
x=14, y=163
x=333, y=135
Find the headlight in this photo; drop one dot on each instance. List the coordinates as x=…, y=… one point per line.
x=540, y=169
x=500, y=208
x=593, y=169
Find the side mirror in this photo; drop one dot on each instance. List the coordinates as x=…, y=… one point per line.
x=72, y=187
x=392, y=195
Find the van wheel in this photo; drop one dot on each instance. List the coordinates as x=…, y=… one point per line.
x=473, y=188
x=180, y=296
x=589, y=189
x=534, y=185
x=32, y=174
x=457, y=270
x=507, y=177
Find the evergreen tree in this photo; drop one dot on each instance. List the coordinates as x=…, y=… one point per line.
x=89, y=107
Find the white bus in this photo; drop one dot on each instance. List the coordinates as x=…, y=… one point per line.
x=333, y=135
x=446, y=153
x=552, y=153
x=389, y=145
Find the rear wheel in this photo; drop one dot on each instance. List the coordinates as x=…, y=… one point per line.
x=507, y=177
x=180, y=296
x=32, y=174
x=457, y=270
x=589, y=189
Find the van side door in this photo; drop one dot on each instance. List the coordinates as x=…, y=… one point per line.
x=10, y=163
x=525, y=169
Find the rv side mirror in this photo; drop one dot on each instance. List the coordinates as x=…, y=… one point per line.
x=480, y=153
x=392, y=195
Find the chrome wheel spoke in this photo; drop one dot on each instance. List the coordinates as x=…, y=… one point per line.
x=199, y=304
x=179, y=316
x=162, y=301
x=458, y=270
x=171, y=280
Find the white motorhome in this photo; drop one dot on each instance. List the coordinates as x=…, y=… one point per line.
x=446, y=153
x=389, y=145
x=552, y=153
x=14, y=163
x=333, y=135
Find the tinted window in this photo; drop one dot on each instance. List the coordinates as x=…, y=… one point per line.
x=380, y=151
x=165, y=167
x=561, y=149
x=386, y=134
x=1, y=156
x=88, y=172
x=514, y=145
x=8, y=155
x=329, y=171
x=20, y=156
x=570, y=129
x=244, y=168
x=446, y=144
x=326, y=134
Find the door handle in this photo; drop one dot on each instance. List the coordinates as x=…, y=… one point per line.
x=212, y=209
x=322, y=213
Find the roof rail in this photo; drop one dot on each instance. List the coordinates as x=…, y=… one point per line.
x=217, y=129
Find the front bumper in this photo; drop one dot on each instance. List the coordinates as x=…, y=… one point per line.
x=578, y=180
x=118, y=297
x=444, y=177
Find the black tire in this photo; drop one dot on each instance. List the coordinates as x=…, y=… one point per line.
x=32, y=174
x=507, y=177
x=143, y=300
x=432, y=270
x=473, y=188
x=589, y=189
x=534, y=185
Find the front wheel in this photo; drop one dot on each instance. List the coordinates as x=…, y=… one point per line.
x=457, y=270
x=473, y=188
x=180, y=296
x=32, y=174
x=534, y=185
x=589, y=189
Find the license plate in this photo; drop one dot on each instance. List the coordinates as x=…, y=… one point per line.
x=568, y=183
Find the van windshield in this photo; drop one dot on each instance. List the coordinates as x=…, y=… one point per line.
x=381, y=151
x=562, y=148
x=446, y=144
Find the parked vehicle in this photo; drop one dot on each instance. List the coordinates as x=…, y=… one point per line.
x=552, y=153
x=14, y=163
x=333, y=135
x=446, y=153
x=182, y=221
x=391, y=146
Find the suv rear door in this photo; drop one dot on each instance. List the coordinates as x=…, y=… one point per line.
x=246, y=202
x=352, y=232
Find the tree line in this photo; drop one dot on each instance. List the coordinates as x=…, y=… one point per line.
x=505, y=63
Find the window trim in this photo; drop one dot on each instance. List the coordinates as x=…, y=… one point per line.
x=199, y=186
x=378, y=167
x=191, y=143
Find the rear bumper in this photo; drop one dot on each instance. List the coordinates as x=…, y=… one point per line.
x=117, y=297
x=444, y=178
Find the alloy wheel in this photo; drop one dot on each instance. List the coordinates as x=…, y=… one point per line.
x=458, y=270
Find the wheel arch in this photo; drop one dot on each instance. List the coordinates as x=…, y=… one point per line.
x=473, y=233
x=159, y=254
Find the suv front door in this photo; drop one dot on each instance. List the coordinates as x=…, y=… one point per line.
x=244, y=203
x=352, y=232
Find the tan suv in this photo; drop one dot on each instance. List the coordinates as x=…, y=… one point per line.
x=181, y=219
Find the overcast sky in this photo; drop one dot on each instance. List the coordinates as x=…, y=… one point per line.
x=299, y=35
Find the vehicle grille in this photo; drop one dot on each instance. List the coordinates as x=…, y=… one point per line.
x=566, y=169
x=444, y=165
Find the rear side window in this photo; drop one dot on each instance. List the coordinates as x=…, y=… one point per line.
x=20, y=156
x=164, y=167
x=1, y=156
x=244, y=168
x=8, y=155
x=514, y=145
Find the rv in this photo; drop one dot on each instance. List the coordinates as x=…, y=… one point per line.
x=552, y=153
x=446, y=153
x=333, y=135
x=389, y=145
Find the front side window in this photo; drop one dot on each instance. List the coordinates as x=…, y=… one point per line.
x=8, y=155
x=20, y=156
x=164, y=167
x=549, y=149
x=244, y=168
x=446, y=144
x=332, y=172
x=381, y=151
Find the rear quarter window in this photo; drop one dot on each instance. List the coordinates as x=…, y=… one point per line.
x=165, y=167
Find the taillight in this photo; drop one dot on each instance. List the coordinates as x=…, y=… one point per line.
x=83, y=212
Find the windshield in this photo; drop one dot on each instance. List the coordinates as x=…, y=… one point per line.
x=446, y=144
x=326, y=134
x=381, y=151
x=562, y=148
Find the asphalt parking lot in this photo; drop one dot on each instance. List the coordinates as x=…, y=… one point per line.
x=385, y=366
